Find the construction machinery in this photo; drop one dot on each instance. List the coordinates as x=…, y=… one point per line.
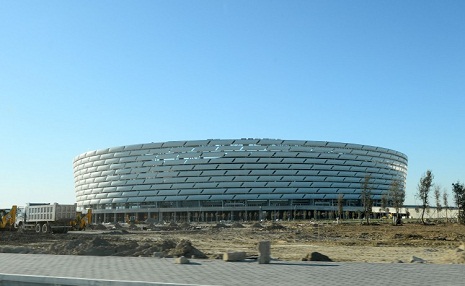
x=82, y=221
x=8, y=218
x=45, y=217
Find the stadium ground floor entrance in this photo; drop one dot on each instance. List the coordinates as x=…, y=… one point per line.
x=218, y=215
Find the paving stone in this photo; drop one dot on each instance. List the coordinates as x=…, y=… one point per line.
x=142, y=271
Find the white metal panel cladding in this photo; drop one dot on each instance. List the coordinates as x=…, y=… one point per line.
x=233, y=169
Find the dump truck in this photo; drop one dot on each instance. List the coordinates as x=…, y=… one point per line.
x=8, y=218
x=46, y=217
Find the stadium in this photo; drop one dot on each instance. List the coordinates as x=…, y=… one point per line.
x=237, y=179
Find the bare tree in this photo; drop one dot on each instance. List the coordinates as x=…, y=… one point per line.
x=397, y=195
x=424, y=188
x=384, y=204
x=437, y=197
x=366, y=197
x=445, y=201
x=459, y=196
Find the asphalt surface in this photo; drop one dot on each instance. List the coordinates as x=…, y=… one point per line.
x=37, y=269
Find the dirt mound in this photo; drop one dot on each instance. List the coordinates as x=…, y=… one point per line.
x=152, y=226
x=151, y=221
x=133, y=226
x=84, y=246
x=185, y=248
x=169, y=226
x=117, y=226
x=316, y=256
x=100, y=227
x=256, y=225
x=118, y=231
x=220, y=225
x=237, y=225
x=18, y=249
x=274, y=226
x=347, y=241
x=185, y=226
x=98, y=246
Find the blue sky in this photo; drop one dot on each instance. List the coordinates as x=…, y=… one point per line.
x=87, y=75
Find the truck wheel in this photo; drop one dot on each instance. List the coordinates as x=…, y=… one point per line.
x=38, y=227
x=45, y=228
x=20, y=227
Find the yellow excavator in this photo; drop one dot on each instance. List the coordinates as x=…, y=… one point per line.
x=82, y=221
x=8, y=218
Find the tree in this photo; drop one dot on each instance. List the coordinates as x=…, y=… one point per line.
x=445, y=201
x=459, y=196
x=424, y=188
x=384, y=204
x=366, y=197
x=340, y=206
x=397, y=195
x=437, y=197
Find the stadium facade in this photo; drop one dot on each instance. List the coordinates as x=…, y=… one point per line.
x=236, y=179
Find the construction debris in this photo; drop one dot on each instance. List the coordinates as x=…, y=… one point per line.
x=264, y=250
x=316, y=256
x=234, y=256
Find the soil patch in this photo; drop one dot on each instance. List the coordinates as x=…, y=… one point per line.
x=346, y=241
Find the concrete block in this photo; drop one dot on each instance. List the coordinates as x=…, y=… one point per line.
x=181, y=260
x=264, y=250
x=234, y=256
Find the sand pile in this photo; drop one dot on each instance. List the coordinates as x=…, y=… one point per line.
x=456, y=256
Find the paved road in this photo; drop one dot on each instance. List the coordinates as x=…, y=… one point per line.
x=91, y=270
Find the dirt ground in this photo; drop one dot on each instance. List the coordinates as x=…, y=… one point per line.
x=346, y=241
